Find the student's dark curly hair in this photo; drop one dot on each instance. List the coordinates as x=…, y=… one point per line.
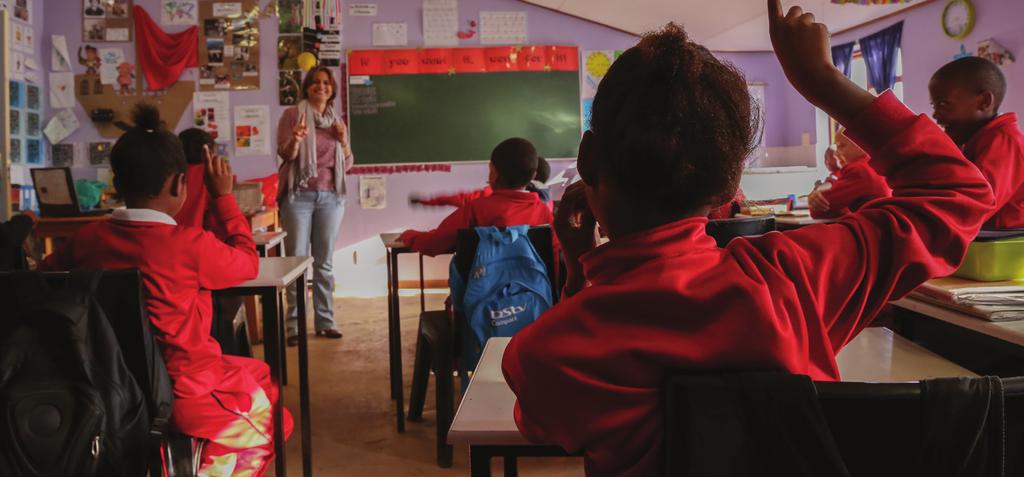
x=145, y=155
x=515, y=159
x=674, y=125
x=543, y=170
x=192, y=141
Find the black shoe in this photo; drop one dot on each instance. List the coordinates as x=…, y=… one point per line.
x=329, y=333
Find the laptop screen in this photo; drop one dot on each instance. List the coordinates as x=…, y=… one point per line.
x=55, y=191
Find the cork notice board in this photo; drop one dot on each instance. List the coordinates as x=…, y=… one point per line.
x=229, y=56
x=93, y=95
x=106, y=20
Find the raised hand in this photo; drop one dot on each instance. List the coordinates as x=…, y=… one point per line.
x=219, y=178
x=300, y=130
x=803, y=49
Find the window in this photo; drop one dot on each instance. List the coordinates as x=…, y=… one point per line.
x=859, y=75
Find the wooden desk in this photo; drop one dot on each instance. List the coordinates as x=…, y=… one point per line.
x=267, y=241
x=485, y=420
x=266, y=219
x=277, y=273
x=50, y=228
x=393, y=248
x=789, y=222
x=984, y=347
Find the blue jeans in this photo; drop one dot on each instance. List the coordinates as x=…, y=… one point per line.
x=313, y=218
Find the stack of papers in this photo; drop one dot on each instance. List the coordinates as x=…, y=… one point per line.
x=993, y=301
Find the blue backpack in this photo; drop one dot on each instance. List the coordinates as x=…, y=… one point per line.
x=507, y=289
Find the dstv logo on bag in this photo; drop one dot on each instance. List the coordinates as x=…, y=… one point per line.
x=506, y=315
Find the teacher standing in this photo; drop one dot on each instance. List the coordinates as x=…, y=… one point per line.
x=314, y=148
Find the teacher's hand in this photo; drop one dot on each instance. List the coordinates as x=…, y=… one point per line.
x=300, y=130
x=339, y=130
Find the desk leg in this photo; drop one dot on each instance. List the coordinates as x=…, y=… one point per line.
x=479, y=461
x=272, y=352
x=307, y=432
x=511, y=466
x=395, y=341
x=423, y=296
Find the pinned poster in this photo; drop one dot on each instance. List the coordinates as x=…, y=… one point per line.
x=210, y=112
x=59, y=58
x=179, y=12
x=362, y=9
x=62, y=90
x=61, y=126
x=252, y=130
x=110, y=59
x=440, y=22
x=390, y=34
x=373, y=192
x=502, y=28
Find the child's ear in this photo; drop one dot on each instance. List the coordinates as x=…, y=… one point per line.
x=986, y=101
x=178, y=185
x=586, y=162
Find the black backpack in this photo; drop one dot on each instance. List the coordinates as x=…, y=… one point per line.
x=68, y=404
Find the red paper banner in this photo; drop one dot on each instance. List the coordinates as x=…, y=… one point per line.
x=436, y=60
x=366, y=62
x=563, y=58
x=532, y=58
x=502, y=58
x=401, y=62
x=399, y=169
x=469, y=60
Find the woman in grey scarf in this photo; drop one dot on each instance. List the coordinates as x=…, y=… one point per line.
x=314, y=149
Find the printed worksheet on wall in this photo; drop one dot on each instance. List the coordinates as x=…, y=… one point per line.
x=390, y=34
x=502, y=28
x=440, y=22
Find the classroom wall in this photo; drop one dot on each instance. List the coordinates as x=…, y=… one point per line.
x=20, y=174
x=926, y=47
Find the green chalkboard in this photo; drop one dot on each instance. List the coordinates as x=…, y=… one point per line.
x=461, y=117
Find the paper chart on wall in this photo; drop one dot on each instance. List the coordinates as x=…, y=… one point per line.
x=373, y=192
x=227, y=9
x=61, y=126
x=62, y=89
x=502, y=28
x=178, y=12
x=440, y=22
x=252, y=130
x=390, y=34
x=59, y=58
x=110, y=58
x=211, y=113
x=362, y=9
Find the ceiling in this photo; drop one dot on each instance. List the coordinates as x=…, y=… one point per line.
x=721, y=25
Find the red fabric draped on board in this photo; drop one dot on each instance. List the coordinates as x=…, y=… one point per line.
x=163, y=56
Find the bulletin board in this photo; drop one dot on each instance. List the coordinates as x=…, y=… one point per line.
x=106, y=20
x=229, y=56
x=429, y=105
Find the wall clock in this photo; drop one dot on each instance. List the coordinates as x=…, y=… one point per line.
x=958, y=19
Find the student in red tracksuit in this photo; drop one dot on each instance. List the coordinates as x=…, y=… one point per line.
x=853, y=185
x=195, y=212
x=966, y=95
x=538, y=186
x=671, y=126
x=513, y=166
x=224, y=399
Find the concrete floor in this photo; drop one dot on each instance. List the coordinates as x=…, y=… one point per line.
x=353, y=416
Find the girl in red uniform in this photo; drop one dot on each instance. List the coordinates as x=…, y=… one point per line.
x=850, y=187
x=671, y=126
x=226, y=400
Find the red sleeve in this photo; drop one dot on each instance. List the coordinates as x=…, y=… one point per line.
x=854, y=189
x=996, y=159
x=232, y=261
x=846, y=271
x=442, y=239
x=459, y=199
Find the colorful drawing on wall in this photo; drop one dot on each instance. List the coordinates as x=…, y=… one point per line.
x=289, y=16
x=99, y=153
x=289, y=83
x=34, y=151
x=229, y=45
x=62, y=155
x=23, y=10
x=288, y=49
x=32, y=124
x=994, y=52
x=15, y=122
x=211, y=113
x=178, y=12
x=106, y=20
x=32, y=99
x=16, y=95
x=125, y=79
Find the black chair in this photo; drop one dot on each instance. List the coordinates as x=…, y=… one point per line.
x=441, y=337
x=877, y=428
x=724, y=230
x=120, y=295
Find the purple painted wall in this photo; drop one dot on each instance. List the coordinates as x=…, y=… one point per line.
x=926, y=47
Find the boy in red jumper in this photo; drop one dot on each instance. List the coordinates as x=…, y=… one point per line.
x=226, y=400
x=537, y=185
x=513, y=166
x=966, y=95
x=671, y=126
x=852, y=186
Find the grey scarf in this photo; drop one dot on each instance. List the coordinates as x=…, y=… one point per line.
x=304, y=167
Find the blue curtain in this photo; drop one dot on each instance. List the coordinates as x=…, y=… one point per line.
x=879, y=50
x=841, y=56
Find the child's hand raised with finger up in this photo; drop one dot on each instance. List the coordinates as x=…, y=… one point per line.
x=219, y=177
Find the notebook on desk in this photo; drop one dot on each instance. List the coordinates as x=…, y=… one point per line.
x=55, y=193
